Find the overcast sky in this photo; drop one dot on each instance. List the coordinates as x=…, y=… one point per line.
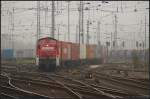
x=130, y=21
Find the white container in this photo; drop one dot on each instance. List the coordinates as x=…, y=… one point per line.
x=97, y=52
x=82, y=51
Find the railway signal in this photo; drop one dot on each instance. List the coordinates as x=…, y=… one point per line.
x=53, y=19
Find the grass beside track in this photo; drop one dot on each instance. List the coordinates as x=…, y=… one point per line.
x=19, y=61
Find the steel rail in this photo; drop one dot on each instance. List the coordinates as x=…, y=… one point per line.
x=76, y=94
x=22, y=90
x=7, y=96
x=122, y=83
x=96, y=90
x=131, y=80
x=74, y=87
x=55, y=75
x=119, y=81
x=77, y=88
x=121, y=78
x=51, y=84
x=112, y=91
x=125, y=69
x=12, y=92
x=89, y=86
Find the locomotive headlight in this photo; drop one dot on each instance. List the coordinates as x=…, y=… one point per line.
x=47, y=48
x=47, y=45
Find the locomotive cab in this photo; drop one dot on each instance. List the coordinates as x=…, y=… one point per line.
x=47, y=53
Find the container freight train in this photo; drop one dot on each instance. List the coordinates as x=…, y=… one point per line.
x=52, y=53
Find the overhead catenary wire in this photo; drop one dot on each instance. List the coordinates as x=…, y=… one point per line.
x=106, y=12
x=53, y=20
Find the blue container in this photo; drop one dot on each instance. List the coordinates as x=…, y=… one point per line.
x=7, y=54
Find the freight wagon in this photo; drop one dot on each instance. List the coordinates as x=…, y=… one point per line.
x=52, y=53
x=90, y=53
x=75, y=54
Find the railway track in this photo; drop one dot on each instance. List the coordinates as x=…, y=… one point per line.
x=129, y=85
x=136, y=82
x=13, y=93
x=107, y=86
x=46, y=89
x=9, y=91
x=87, y=86
x=113, y=91
x=80, y=87
x=75, y=89
x=126, y=84
x=127, y=70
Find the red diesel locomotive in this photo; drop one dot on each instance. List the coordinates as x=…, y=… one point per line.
x=52, y=53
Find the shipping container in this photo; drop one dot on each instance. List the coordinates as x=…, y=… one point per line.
x=74, y=51
x=94, y=50
x=90, y=51
x=82, y=51
x=65, y=50
x=104, y=54
x=98, y=51
x=7, y=54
